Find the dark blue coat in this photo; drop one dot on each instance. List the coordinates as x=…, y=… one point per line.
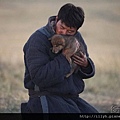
x=48, y=70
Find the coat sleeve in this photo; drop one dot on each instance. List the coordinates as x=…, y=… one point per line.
x=43, y=71
x=89, y=71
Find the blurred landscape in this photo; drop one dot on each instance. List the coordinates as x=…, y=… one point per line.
x=101, y=32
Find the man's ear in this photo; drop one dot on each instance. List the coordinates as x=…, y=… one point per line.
x=56, y=19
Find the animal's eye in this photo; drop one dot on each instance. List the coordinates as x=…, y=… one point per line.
x=60, y=46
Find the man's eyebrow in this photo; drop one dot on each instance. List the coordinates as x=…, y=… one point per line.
x=71, y=30
x=65, y=27
x=62, y=26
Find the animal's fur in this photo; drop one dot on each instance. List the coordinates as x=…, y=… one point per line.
x=69, y=43
x=58, y=43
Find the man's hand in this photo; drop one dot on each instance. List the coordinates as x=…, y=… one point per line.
x=82, y=60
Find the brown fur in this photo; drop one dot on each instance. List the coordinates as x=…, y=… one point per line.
x=58, y=43
x=62, y=42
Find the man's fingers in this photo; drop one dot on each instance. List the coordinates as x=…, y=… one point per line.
x=82, y=55
x=77, y=58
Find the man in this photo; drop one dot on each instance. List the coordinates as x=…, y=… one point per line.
x=49, y=90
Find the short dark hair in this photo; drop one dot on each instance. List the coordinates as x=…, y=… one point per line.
x=71, y=15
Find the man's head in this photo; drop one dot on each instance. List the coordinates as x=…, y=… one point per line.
x=69, y=19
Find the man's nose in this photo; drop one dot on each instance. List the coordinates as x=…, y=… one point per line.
x=64, y=32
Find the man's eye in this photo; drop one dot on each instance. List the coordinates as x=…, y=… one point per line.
x=70, y=31
x=62, y=27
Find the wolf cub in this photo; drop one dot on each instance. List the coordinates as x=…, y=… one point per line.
x=69, y=43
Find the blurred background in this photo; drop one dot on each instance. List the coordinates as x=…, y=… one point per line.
x=101, y=32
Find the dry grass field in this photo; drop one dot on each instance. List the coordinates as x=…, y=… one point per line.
x=101, y=31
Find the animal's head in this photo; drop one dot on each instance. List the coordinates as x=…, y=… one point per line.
x=58, y=43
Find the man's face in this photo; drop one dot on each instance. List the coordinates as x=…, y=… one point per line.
x=61, y=28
